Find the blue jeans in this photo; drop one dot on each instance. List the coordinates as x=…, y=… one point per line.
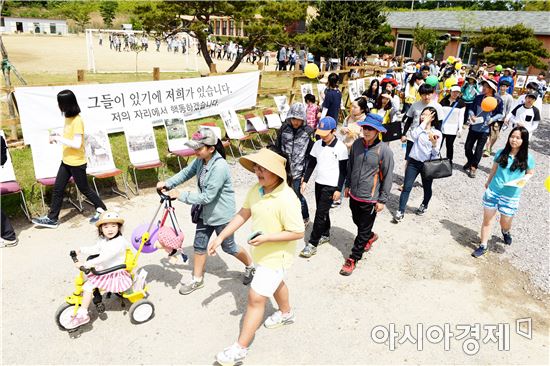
x=414, y=167
x=296, y=187
x=202, y=237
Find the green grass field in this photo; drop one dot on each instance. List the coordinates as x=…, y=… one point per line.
x=22, y=158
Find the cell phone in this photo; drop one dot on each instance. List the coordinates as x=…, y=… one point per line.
x=254, y=235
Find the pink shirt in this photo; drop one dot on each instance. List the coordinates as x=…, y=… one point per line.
x=311, y=115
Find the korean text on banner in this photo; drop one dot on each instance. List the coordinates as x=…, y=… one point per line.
x=110, y=105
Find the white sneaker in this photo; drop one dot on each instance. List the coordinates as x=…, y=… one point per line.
x=232, y=355
x=277, y=319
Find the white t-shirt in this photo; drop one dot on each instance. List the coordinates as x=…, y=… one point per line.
x=328, y=161
x=416, y=110
x=527, y=117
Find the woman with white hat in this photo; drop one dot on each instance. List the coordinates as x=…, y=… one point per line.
x=276, y=227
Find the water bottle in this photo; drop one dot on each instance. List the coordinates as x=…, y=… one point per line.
x=404, y=146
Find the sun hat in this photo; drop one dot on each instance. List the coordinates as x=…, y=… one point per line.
x=267, y=159
x=455, y=88
x=492, y=84
x=326, y=124
x=298, y=111
x=374, y=121
x=109, y=217
x=203, y=137
x=470, y=77
x=390, y=81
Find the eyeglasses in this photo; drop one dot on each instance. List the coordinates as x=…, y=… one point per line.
x=369, y=128
x=258, y=168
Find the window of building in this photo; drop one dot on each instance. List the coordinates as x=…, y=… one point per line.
x=231, y=27
x=404, y=45
x=36, y=27
x=217, y=27
x=53, y=28
x=224, y=27
x=2, y=22
x=467, y=54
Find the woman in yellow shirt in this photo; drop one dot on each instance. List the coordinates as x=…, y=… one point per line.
x=276, y=226
x=73, y=163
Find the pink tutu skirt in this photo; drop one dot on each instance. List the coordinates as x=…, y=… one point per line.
x=118, y=281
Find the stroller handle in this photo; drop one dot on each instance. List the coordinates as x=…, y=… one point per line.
x=163, y=196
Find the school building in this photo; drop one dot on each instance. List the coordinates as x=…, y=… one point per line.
x=33, y=25
x=451, y=24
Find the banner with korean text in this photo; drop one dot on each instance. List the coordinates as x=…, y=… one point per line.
x=108, y=106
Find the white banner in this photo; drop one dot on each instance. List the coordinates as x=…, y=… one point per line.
x=109, y=105
x=6, y=171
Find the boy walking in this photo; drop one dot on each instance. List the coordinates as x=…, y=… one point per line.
x=368, y=183
x=331, y=156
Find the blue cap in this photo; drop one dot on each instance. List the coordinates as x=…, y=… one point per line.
x=374, y=121
x=326, y=124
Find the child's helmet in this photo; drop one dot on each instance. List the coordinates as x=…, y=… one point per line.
x=109, y=217
x=169, y=238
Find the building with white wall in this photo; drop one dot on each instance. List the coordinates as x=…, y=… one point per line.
x=33, y=25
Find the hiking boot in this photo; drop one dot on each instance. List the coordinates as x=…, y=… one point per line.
x=507, y=237
x=232, y=355
x=466, y=167
x=421, y=210
x=398, y=217
x=248, y=275
x=348, y=267
x=5, y=243
x=277, y=319
x=77, y=320
x=45, y=221
x=186, y=289
x=479, y=251
x=324, y=239
x=373, y=238
x=308, y=251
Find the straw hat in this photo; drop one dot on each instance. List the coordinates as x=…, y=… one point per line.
x=109, y=217
x=267, y=159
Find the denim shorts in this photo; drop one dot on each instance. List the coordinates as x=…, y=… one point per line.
x=506, y=206
x=202, y=238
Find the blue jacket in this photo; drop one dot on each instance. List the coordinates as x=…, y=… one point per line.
x=217, y=196
x=488, y=117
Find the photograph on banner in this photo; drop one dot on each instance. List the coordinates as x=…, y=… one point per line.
x=176, y=133
x=520, y=81
x=306, y=89
x=282, y=105
x=98, y=152
x=141, y=143
x=6, y=171
x=232, y=124
x=321, y=92
x=255, y=124
x=111, y=105
x=360, y=86
x=46, y=157
x=273, y=120
x=352, y=90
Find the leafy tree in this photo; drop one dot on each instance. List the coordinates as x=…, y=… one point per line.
x=264, y=21
x=428, y=40
x=509, y=46
x=108, y=12
x=79, y=11
x=349, y=27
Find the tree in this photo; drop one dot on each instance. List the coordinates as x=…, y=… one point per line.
x=263, y=21
x=510, y=46
x=79, y=11
x=108, y=12
x=349, y=27
x=429, y=40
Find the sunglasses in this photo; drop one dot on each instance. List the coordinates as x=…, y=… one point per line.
x=369, y=128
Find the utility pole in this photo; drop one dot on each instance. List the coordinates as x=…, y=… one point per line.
x=412, y=5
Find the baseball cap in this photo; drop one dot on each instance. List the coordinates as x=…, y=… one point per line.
x=203, y=137
x=532, y=95
x=326, y=124
x=455, y=88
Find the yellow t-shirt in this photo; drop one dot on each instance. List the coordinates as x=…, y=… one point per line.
x=275, y=212
x=74, y=126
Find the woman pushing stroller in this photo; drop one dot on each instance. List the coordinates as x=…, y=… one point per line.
x=213, y=204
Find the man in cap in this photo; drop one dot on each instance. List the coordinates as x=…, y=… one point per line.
x=480, y=122
x=531, y=88
x=526, y=114
x=295, y=138
x=368, y=183
x=330, y=155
